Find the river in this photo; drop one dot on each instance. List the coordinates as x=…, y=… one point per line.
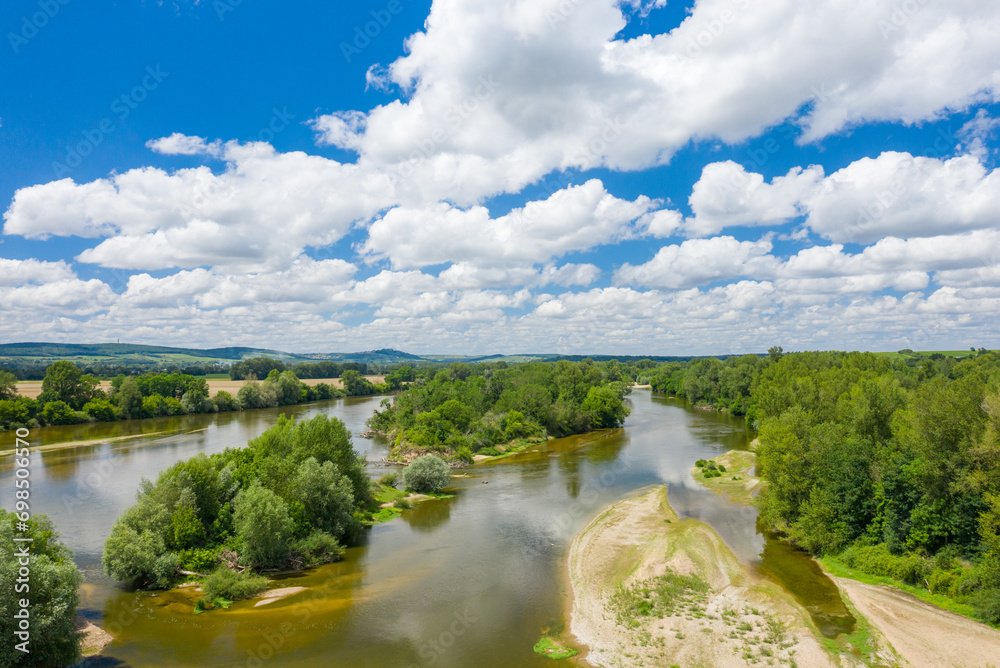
x=473, y=580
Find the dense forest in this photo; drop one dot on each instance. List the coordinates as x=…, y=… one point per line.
x=488, y=409
x=70, y=396
x=893, y=468
x=291, y=498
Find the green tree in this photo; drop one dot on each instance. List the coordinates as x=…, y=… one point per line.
x=427, y=474
x=263, y=527
x=326, y=496
x=8, y=386
x=605, y=406
x=53, y=595
x=65, y=382
x=129, y=399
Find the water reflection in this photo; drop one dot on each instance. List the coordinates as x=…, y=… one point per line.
x=494, y=555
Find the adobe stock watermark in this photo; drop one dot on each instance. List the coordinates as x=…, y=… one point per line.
x=364, y=35
x=714, y=28
x=455, y=117
x=280, y=120
x=901, y=14
x=22, y=546
x=31, y=25
x=121, y=108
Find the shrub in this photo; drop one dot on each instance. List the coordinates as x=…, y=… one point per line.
x=700, y=463
x=426, y=474
x=489, y=452
x=230, y=585
x=318, y=548
x=101, y=410
x=388, y=479
x=877, y=560
x=199, y=560
x=224, y=402
x=463, y=454
x=402, y=504
x=58, y=412
x=986, y=603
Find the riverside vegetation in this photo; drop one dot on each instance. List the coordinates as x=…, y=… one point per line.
x=288, y=500
x=883, y=465
x=493, y=409
x=70, y=396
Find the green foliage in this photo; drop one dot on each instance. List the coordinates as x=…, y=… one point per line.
x=58, y=412
x=8, y=386
x=326, y=497
x=256, y=367
x=481, y=407
x=53, y=596
x=657, y=597
x=263, y=527
x=101, y=410
x=319, y=548
x=548, y=648
x=198, y=559
x=427, y=474
x=296, y=479
x=225, y=402
x=894, y=463
x=388, y=479
x=66, y=383
x=233, y=586
x=605, y=407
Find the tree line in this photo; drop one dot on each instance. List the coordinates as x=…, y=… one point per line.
x=891, y=468
x=70, y=396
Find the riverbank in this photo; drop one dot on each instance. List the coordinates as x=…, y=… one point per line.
x=737, y=482
x=32, y=388
x=650, y=589
x=912, y=629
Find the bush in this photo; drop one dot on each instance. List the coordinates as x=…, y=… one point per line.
x=986, y=603
x=199, y=560
x=58, y=412
x=230, y=585
x=224, y=402
x=101, y=410
x=318, y=548
x=388, y=479
x=877, y=560
x=402, y=504
x=700, y=463
x=427, y=474
x=463, y=454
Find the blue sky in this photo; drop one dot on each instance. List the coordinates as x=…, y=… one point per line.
x=478, y=176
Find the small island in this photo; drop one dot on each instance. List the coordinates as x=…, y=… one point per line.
x=471, y=413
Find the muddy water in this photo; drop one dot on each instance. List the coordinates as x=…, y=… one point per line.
x=474, y=580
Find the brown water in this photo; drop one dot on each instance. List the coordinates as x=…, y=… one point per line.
x=473, y=580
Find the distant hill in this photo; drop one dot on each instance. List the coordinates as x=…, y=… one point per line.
x=128, y=353
x=38, y=354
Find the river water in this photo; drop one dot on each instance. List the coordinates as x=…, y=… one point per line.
x=473, y=580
